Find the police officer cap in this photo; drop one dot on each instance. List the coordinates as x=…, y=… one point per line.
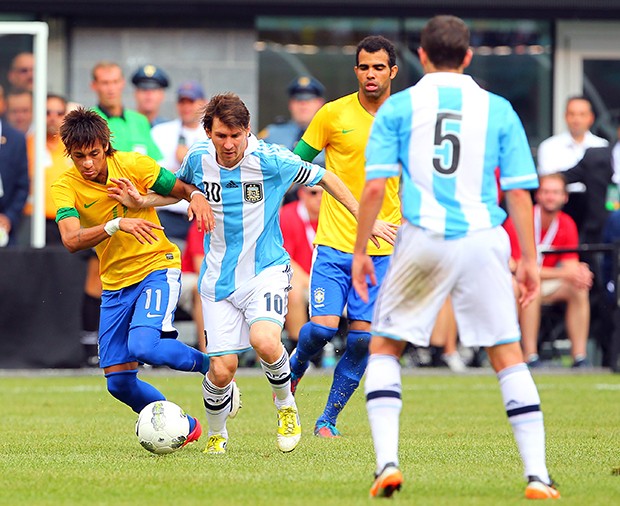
x=150, y=77
x=305, y=88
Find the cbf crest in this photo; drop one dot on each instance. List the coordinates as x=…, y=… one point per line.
x=319, y=296
x=253, y=192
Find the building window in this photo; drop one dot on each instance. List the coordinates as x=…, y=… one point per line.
x=511, y=58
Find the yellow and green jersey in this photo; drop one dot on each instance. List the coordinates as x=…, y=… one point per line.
x=123, y=260
x=342, y=128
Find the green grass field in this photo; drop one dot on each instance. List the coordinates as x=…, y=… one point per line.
x=66, y=441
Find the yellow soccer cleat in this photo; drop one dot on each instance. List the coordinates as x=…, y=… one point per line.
x=216, y=445
x=289, y=429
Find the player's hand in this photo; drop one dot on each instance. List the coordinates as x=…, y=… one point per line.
x=528, y=279
x=200, y=209
x=362, y=271
x=142, y=230
x=384, y=230
x=125, y=193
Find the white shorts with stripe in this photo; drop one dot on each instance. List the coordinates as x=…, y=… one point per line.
x=228, y=321
x=425, y=269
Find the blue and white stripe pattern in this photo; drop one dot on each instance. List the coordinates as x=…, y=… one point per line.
x=446, y=136
x=245, y=200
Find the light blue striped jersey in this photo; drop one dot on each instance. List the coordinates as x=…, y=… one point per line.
x=446, y=137
x=245, y=200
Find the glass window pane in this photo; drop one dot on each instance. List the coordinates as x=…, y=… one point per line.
x=601, y=82
x=511, y=58
x=321, y=47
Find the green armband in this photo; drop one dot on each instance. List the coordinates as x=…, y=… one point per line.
x=305, y=151
x=66, y=212
x=165, y=182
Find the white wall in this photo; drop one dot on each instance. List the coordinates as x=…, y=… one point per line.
x=221, y=60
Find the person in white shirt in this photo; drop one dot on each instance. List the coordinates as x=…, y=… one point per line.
x=174, y=138
x=563, y=151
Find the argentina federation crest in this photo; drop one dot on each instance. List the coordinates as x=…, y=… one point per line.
x=253, y=192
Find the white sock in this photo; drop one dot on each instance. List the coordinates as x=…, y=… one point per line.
x=384, y=403
x=218, y=402
x=279, y=376
x=522, y=404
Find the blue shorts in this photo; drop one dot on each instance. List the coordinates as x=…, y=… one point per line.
x=150, y=303
x=331, y=287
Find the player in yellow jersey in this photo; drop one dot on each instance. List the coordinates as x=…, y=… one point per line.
x=342, y=128
x=140, y=268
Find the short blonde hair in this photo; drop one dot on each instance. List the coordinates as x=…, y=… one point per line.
x=104, y=64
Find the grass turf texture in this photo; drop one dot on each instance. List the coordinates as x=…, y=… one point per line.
x=66, y=441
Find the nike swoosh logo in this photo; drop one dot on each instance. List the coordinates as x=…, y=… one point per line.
x=91, y=204
x=149, y=315
x=347, y=131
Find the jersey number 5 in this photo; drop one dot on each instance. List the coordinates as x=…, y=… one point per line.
x=447, y=142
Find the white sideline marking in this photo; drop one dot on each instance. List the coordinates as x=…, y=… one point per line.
x=78, y=388
x=607, y=386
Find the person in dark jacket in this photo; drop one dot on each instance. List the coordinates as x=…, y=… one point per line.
x=596, y=171
x=14, y=182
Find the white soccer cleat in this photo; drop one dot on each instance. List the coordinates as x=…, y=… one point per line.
x=235, y=403
x=454, y=362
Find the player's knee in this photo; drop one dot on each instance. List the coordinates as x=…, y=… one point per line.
x=222, y=369
x=268, y=347
x=121, y=384
x=321, y=332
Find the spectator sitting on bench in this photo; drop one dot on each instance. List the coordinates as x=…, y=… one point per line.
x=563, y=277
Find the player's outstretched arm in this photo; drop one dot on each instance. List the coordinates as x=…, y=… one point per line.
x=199, y=208
x=337, y=189
x=127, y=194
x=76, y=238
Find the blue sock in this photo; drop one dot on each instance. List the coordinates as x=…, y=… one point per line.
x=347, y=375
x=312, y=338
x=127, y=388
x=147, y=346
x=205, y=364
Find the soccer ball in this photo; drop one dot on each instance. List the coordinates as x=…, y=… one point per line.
x=162, y=427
